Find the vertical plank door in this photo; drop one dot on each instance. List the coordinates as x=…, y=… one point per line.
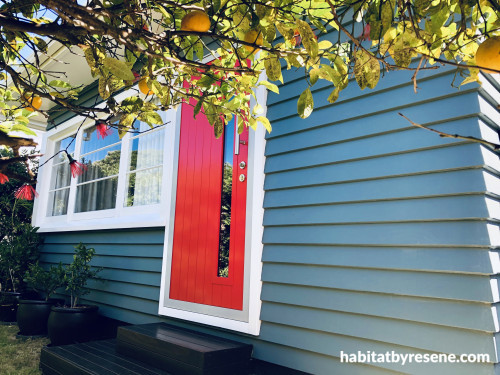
x=195, y=270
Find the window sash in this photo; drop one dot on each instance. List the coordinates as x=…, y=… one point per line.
x=122, y=176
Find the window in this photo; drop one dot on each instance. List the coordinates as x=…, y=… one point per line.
x=122, y=186
x=60, y=178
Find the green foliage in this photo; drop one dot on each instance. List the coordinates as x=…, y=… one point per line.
x=45, y=281
x=13, y=211
x=79, y=272
x=329, y=40
x=19, y=250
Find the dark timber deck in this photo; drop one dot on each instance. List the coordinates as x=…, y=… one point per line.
x=149, y=349
x=95, y=357
x=156, y=349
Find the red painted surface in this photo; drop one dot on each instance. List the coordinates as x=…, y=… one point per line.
x=197, y=217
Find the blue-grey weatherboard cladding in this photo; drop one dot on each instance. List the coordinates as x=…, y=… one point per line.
x=378, y=236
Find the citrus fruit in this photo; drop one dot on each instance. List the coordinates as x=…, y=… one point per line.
x=143, y=87
x=196, y=20
x=36, y=103
x=488, y=55
x=253, y=36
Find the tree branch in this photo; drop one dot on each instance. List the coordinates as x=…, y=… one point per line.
x=491, y=145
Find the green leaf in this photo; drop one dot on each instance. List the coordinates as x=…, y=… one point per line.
x=197, y=107
x=198, y=49
x=325, y=44
x=334, y=95
x=308, y=38
x=120, y=69
x=22, y=128
x=59, y=83
x=132, y=104
x=366, y=69
x=22, y=120
x=257, y=109
x=126, y=122
x=264, y=121
x=103, y=88
x=273, y=68
x=270, y=86
x=314, y=75
x=167, y=16
x=218, y=126
x=305, y=104
x=151, y=118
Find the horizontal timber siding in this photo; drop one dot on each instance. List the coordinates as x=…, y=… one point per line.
x=131, y=269
x=378, y=236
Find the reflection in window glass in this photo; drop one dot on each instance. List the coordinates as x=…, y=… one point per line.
x=90, y=142
x=144, y=166
x=102, y=163
x=144, y=187
x=95, y=196
x=225, y=212
x=60, y=178
x=58, y=202
x=102, y=158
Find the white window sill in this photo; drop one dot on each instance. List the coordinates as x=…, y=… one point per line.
x=61, y=224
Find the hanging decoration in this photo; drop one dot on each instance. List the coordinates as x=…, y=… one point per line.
x=103, y=130
x=3, y=178
x=26, y=192
x=77, y=168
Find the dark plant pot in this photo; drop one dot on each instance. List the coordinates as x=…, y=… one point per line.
x=32, y=316
x=71, y=325
x=8, y=306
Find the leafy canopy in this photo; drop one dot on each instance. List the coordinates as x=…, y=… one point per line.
x=221, y=68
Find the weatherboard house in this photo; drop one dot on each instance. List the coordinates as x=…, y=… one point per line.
x=335, y=244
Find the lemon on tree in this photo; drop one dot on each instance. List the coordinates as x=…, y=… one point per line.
x=488, y=55
x=255, y=37
x=35, y=102
x=143, y=87
x=197, y=20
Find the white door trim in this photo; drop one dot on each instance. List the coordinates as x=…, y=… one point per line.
x=248, y=320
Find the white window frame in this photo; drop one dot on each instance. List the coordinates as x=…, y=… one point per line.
x=248, y=320
x=118, y=217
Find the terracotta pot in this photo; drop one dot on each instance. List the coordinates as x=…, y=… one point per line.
x=71, y=325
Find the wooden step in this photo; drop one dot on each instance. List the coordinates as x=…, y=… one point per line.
x=92, y=358
x=182, y=351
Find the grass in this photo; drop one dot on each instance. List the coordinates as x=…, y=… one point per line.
x=18, y=357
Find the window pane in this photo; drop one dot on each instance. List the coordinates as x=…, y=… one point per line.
x=227, y=191
x=94, y=196
x=144, y=187
x=103, y=163
x=147, y=150
x=58, y=202
x=90, y=142
x=61, y=176
x=61, y=145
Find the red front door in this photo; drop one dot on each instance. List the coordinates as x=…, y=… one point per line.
x=209, y=228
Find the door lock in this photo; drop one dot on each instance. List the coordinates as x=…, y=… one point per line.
x=242, y=177
x=243, y=165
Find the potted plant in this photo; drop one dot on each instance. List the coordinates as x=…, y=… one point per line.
x=18, y=251
x=76, y=322
x=33, y=314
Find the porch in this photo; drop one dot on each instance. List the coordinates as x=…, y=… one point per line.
x=156, y=349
